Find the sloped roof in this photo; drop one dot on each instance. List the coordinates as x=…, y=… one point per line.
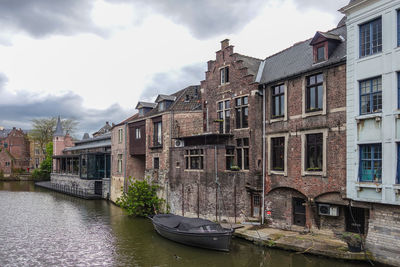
x=251, y=63
x=142, y=104
x=135, y=116
x=105, y=129
x=165, y=97
x=59, y=130
x=298, y=59
x=4, y=133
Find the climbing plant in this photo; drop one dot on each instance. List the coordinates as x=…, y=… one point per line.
x=140, y=199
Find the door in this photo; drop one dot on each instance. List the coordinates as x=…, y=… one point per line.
x=98, y=187
x=256, y=204
x=299, y=212
x=355, y=220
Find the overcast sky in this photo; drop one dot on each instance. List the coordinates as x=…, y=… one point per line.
x=92, y=60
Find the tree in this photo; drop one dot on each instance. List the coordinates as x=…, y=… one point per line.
x=43, y=173
x=43, y=129
x=140, y=199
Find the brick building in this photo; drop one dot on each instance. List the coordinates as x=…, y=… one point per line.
x=218, y=172
x=305, y=89
x=141, y=144
x=14, y=151
x=37, y=154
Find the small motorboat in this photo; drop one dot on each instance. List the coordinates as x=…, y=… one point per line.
x=193, y=231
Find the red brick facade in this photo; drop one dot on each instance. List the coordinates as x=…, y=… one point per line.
x=213, y=190
x=14, y=151
x=296, y=182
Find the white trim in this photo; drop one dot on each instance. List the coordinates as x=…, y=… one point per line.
x=305, y=114
x=324, y=152
x=285, y=171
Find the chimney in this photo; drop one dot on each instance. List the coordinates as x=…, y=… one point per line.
x=224, y=44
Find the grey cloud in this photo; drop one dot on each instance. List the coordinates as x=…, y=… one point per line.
x=206, y=18
x=326, y=5
x=40, y=18
x=170, y=82
x=19, y=114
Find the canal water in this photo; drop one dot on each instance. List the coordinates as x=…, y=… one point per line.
x=44, y=228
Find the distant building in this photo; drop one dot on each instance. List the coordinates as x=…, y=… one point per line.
x=14, y=150
x=84, y=164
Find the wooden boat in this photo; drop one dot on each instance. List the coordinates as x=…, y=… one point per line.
x=193, y=231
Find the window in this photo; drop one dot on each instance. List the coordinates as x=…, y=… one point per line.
x=398, y=164
x=224, y=72
x=371, y=96
x=371, y=163
x=230, y=155
x=156, y=163
x=37, y=151
x=224, y=116
x=157, y=134
x=161, y=106
x=314, y=92
x=120, y=136
x=398, y=90
x=138, y=134
x=194, y=159
x=242, y=112
x=141, y=111
x=8, y=163
x=37, y=162
x=320, y=53
x=398, y=27
x=371, y=37
x=278, y=101
x=278, y=153
x=119, y=163
x=242, y=151
x=314, y=146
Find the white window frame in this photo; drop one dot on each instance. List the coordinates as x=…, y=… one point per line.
x=304, y=149
x=269, y=141
x=120, y=135
x=222, y=74
x=305, y=114
x=119, y=163
x=223, y=110
x=285, y=97
x=138, y=134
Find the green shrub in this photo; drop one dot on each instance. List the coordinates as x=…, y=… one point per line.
x=140, y=199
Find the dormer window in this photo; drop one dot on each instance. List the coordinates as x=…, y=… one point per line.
x=324, y=44
x=321, y=53
x=224, y=73
x=141, y=112
x=161, y=106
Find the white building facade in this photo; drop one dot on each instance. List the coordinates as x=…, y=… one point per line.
x=373, y=122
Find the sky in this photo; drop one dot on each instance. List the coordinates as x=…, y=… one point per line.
x=93, y=60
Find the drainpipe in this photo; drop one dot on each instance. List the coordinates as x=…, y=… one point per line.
x=207, y=130
x=263, y=159
x=125, y=159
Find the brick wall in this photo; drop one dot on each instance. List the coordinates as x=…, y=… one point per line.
x=296, y=181
x=384, y=234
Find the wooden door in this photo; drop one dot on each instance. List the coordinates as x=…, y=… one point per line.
x=299, y=212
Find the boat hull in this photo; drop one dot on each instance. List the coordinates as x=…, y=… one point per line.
x=215, y=241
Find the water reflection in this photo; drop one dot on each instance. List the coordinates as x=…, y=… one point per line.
x=44, y=228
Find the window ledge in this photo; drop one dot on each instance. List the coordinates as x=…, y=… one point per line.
x=241, y=129
x=312, y=113
x=274, y=172
x=277, y=119
x=316, y=173
x=376, y=116
x=189, y=170
x=368, y=185
x=368, y=57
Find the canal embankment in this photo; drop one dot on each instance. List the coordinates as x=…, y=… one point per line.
x=301, y=243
